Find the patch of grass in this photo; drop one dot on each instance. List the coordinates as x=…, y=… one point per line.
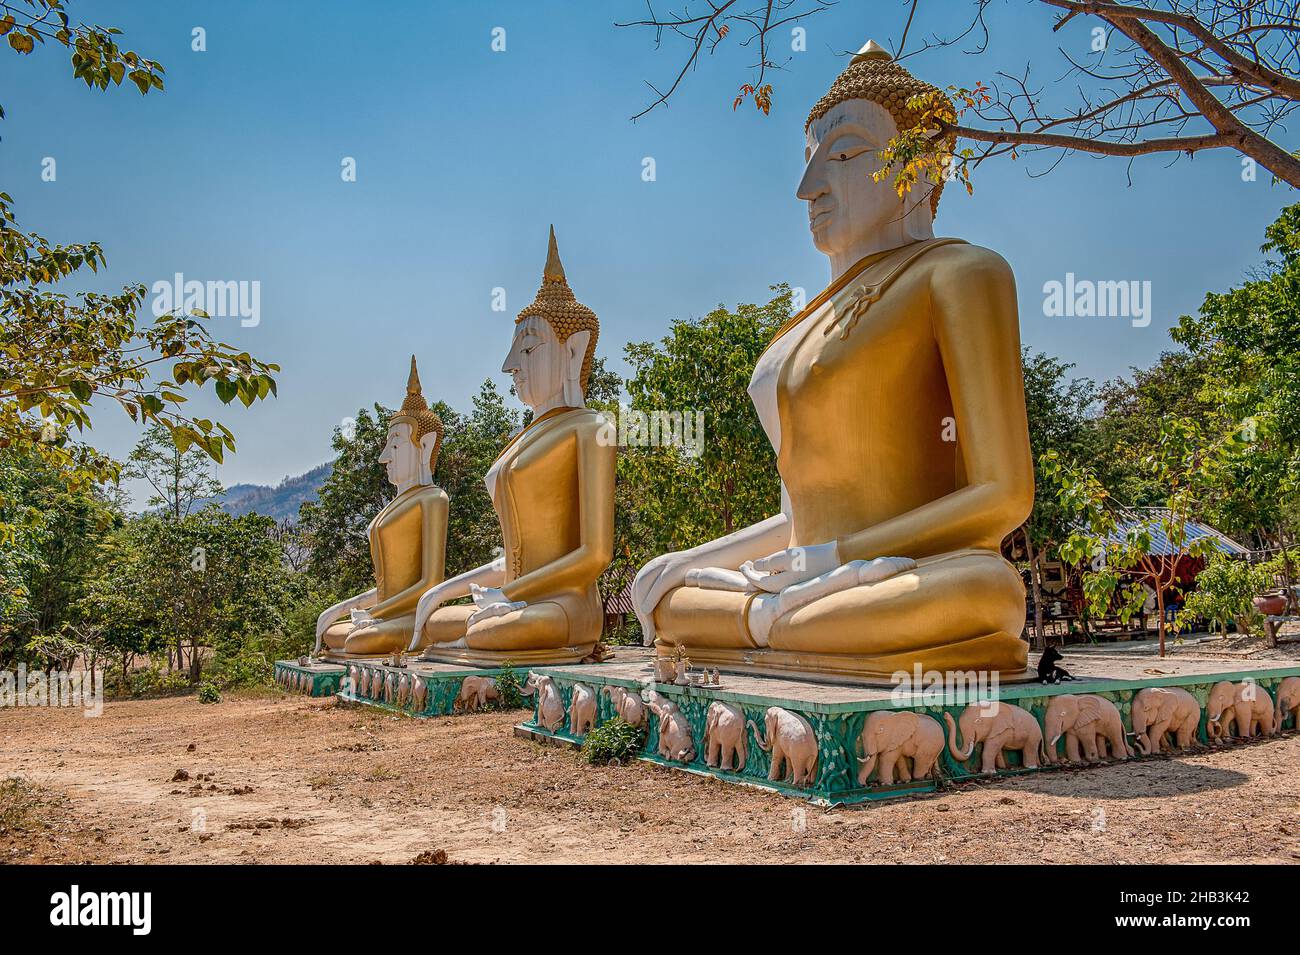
x=19, y=801
x=509, y=688
x=208, y=693
x=613, y=743
x=382, y=774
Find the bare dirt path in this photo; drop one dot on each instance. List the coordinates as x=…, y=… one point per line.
x=288, y=779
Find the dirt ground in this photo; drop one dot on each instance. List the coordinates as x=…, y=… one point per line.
x=285, y=779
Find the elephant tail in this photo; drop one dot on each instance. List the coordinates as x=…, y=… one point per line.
x=758, y=736
x=1278, y=714
x=953, y=748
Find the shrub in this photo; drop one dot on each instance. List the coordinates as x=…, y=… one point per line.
x=613, y=741
x=509, y=687
x=208, y=693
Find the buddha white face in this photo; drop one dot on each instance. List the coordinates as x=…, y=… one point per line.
x=846, y=206
x=546, y=371
x=401, y=458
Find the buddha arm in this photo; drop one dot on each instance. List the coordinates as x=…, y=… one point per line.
x=973, y=311
x=581, y=566
x=433, y=557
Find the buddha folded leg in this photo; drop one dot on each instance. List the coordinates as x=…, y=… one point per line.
x=562, y=621
x=336, y=635
x=957, y=611
x=380, y=637
x=447, y=624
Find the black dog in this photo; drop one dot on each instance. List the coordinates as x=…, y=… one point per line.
x=1048, y=671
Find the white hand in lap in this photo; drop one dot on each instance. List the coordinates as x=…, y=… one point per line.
x=794, y=565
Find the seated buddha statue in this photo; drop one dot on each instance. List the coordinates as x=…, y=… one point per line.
x=408, y=540
x=553, y=491
x=895, y=405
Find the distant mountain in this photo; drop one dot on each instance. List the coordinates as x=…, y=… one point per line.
x=281, y=501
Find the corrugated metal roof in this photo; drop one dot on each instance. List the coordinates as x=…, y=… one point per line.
x=1149, y=518
x=620, y=602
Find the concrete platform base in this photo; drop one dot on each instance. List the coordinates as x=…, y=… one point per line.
x=313, y=679
x=836, y=715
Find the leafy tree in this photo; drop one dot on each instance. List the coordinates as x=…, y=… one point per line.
x=1058, y=410
x=1115, y=541
x=59, y=352
x=197, y=582
x=1249, y=340
x=179, y=479
x=668, y=499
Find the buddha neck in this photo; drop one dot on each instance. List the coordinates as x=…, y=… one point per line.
x=895, y=234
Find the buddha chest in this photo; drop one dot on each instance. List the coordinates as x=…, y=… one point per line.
x=865, y=410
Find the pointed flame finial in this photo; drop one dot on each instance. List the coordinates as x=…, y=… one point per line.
x=871, y=50
x=413, y=380
x=554, y=271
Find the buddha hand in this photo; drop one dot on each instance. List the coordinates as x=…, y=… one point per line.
x=794, y=565
x=491, y=602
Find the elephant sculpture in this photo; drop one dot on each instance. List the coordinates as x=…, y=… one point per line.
x=354, y=674
x=1160, y=710
x=889, y=739
x=676, y=742
x=1260, y=722
x=1087, y=722
x=582, y=710
x=390, y=687
x=1288, y=703
x=1225, y=714
x=999, y=726
x=628, y=705
x=419, y=694
x=403, y=690
x=476, y=693
x=793, y=746
x=550, y=706
x=724, y=737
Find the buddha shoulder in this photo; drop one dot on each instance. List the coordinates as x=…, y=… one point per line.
x=966, y=269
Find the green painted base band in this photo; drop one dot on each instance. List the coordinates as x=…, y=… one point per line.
x=429, y=690
x=321, y=679
x=838, y=725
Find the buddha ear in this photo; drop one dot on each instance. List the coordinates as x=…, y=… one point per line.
x=575, y=353
x=429, y=456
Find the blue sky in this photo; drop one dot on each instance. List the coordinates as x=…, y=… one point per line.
x=465, y=155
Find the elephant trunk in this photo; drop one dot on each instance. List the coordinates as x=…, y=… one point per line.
x=953, y=748
x=1143, y=744
x=866, y=766
x=758, y=737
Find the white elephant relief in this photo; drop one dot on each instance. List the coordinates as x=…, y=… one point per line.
x=550, y=706
x=998, y=726
x=354, y=675
x=582, y=710
x=676, y=741
x=1089, y=724
x=476, y=694
x=792, y=743
x=419, y=694
x=627, y=705
x=890, y=739
x=390, y=687
x=725, y=746
x=1288, y=703
x=403, y=690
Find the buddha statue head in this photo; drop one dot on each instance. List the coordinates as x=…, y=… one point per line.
x=850, y=214
x=414, y=437
x=554, y=344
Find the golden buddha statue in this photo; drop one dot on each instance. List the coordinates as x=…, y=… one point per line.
x=553, y=491
x=896, y=408
x=408, y=540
